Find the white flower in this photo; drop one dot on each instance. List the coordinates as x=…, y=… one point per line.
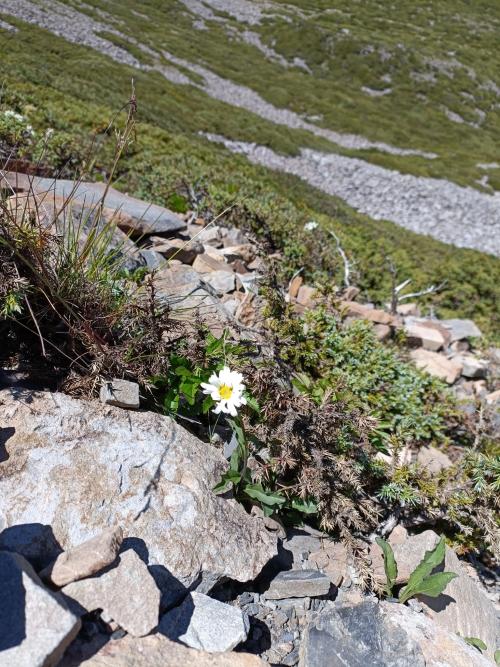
x=13, y=114
x=310, y=226
x=226, y=389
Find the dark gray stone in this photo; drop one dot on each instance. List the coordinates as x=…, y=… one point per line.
x=298, y=584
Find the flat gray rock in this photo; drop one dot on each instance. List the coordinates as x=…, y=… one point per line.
x=460, y=329
x=298, y=584
x=91, y=466
x=122, y=393
x=372, y=634
x=126, y=593
x=204, y=623
x=36, y=625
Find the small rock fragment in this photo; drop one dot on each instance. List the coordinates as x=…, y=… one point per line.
x=471, y=366
x=433, y=459
x=298, y=584
x=121, y=393
x=221, y=281
x=85, y=559
x=460, y=329
x=206, y=624
x=204, y=263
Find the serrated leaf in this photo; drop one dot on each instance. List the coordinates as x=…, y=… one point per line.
x=390, y=566
x=304, y=506
x=477, y=643
x=430, y=561
x=257, y=492
x=432, y=586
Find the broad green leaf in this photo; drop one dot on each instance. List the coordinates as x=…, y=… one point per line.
x=430, y=560
x=257, y=492
x=432, y=586
x=182, y=371
x=304, y=506
x=207, y=404
x=497, y=656
x=477, y=643
x=390, y=566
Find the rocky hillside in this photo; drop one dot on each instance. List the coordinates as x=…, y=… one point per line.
x=250, y=374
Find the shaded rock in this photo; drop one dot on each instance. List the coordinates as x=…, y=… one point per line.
x=332, y=560
x=153, y=259
x=298, y=584
x=86, y=559
x=471, y=366
x=433, y=459
x=437, y=365
x=460, y=329
x=382, y=635
x=428, y=337
x=204, y=623
x=121, y=393
x=36, y=625
x=90, y=466
x=221, y=281
x=244, y=251
x=158, y=651
x=126, y=593
x=382, y=331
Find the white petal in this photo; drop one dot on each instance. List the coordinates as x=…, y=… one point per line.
x=207, y=388
x=232, y=410
x=214, y=379
x=225, y=376
x=218, y=409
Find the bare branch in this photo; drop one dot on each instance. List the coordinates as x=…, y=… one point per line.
x=347, y=264
x=429, y=290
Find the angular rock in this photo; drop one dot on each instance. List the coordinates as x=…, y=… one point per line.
x=298, y=584
x=153, y=259
x=437, y=365
x=158, y=651
x=121, y=393
x=90, y=466
x=382, y=331
x=306, y=296
x=433, y=459
x=36, y=625
x=382, y=635
x=244, y=251
x=332, y=560
x=204, y=623
x=221, y=281
x=206, y=264
x=429, y=338
x=493, y=398
x=462, y=607
x=408, y=309
x=210, y=235
x=362, y=311
x=460, y=329
x=184, y=251
x=472, y=367
x=86, y=559
x=126, y=593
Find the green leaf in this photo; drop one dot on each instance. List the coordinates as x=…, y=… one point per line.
x=228, y=478
x=304, y=506
x=477, y=643
x=497, y=656
x=390, y=567
x=257, y=492
x=430, y=560
x=207, y=404
x=432, y=586
x=252, y=403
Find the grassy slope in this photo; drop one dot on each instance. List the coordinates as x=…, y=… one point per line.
x=48, y=79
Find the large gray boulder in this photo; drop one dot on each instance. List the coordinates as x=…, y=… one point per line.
x=382, y=635
x=35, y=625
x=71, y=468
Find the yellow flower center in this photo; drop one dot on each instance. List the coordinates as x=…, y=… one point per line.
x=225, y=392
